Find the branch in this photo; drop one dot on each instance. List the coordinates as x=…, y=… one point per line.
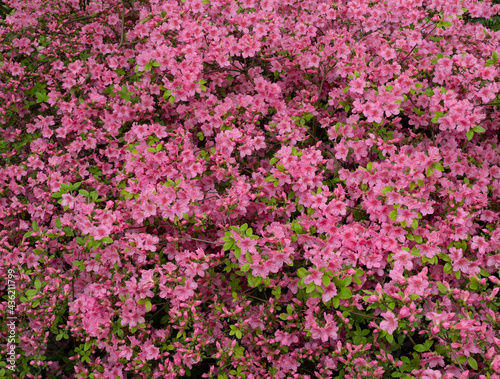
x=407, y=55
x=328, y=151
x=123, y=25
x=82, y=18
x=174, y=239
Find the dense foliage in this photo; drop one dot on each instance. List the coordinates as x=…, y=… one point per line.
x=251, y=189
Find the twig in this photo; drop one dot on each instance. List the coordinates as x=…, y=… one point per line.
x=407, y=55
x=82, y=18
x=197, y=239
x=123, y=25
x=368, y=316
x=330, y=153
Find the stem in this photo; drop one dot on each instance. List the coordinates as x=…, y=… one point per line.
x=123, y=25
x=407, y=55
x=368, y=316
x=331, y=154
x=198, y=239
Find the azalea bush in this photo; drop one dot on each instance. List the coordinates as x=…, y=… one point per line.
x=250, y=189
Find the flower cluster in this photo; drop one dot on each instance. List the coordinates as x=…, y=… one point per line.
x=251, y=189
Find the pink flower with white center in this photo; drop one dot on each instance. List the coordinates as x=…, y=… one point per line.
x=390, y=324
x=314, y=276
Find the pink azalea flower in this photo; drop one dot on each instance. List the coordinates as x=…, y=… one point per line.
x=390, y=324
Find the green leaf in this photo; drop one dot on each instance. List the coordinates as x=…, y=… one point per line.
x=83, y=193
x=58, y=223
x=438, y=166
x=56, y=195
x=41, y=97
x=387, y=189
x=335, y=302
x=297, y=228
x=107, y=240
x=430, y=171
x=447, y=269
x=345, y=293
x=494, y=56
x=420, y=348
x=35, y=226
x=420, y=182
x=87, y=345
x=38, y=284
x=311, y=287
x=414, y=224
x=442, y=287
x=167, y=94
x=245, y=267
x=301, y=272
x=237, y=253
x=470, y=134
x=326, y=280
x=472, y=363
x=393, y=215
x=148, y=305
x=479, y=129
x=31, y=293
x=227, y=246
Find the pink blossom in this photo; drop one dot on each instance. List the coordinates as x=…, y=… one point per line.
x=390, y=324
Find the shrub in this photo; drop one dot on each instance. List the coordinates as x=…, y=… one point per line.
x=250, y=189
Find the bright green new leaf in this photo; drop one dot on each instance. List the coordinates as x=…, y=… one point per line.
x=326, y=280
x=393, y=215
x=387, y=189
